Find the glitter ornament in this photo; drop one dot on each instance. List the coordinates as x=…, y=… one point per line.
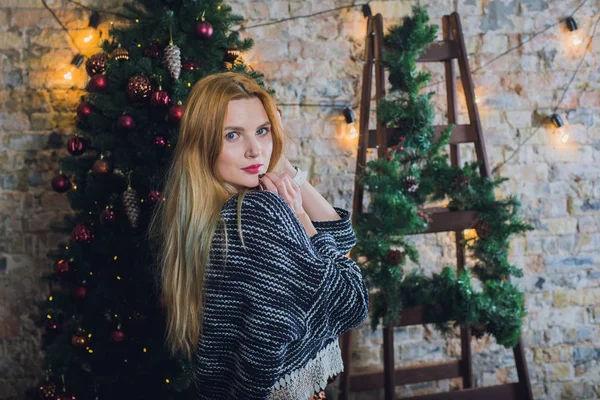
x=82, y=233
x=101, y=168
x=96, y=64
x=138, y=87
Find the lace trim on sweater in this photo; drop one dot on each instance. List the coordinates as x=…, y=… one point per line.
x=302, y=383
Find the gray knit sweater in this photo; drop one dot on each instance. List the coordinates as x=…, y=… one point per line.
x=275, y=308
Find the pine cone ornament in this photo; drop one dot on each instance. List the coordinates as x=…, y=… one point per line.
x=173, y=60
x=394, y=257
x=412, y=184
x=132, y=209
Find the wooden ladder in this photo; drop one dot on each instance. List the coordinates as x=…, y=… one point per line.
x=442, y=220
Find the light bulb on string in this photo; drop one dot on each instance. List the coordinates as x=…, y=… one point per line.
x=574, y=33
x=560, y=129
x=350, y=120
x=91, y=33
x=75, y=63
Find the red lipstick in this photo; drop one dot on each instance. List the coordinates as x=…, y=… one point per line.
x=253, y=169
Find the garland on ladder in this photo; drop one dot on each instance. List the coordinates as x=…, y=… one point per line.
x=415, y=171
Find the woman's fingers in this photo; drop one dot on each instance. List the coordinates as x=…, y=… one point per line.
x=268, y=184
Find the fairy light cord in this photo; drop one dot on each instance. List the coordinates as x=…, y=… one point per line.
x=351, y=6
x=535, y=131
x=64, y=28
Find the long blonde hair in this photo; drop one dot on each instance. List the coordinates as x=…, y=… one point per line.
x=183, y=226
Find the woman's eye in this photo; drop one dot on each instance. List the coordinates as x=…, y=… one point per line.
x=231, y=138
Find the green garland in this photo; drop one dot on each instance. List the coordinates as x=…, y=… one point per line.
x=414, y=171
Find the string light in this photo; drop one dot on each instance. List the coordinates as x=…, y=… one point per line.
x=572, y=27
x=75, y=63
x=350, y=120
x=94, y=20
x=558, y=123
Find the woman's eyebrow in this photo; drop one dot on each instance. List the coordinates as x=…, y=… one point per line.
x=239, y=128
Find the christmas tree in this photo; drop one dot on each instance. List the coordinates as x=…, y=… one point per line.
x=103, y=324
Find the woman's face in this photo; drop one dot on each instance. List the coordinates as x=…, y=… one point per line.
x=247, y=141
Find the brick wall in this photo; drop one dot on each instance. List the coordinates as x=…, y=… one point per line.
x=317, y=60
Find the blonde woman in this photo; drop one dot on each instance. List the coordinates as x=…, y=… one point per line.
x=253, y=271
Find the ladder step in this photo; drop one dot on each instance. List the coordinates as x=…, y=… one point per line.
x=460, y=134
x=409, y=374
x=440, y=51
x=445, y=220
x=416, y=316
x=497, y=392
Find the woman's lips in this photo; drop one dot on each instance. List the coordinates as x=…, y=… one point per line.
x=252, y=170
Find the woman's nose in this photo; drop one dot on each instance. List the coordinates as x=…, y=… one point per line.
x=253, y=148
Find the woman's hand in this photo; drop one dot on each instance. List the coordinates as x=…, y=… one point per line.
x=283, y=184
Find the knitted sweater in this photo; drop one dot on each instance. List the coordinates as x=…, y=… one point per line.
x=274, y=309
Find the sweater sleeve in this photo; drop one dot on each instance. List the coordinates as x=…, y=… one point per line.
x=310, y=286
x=340, y=229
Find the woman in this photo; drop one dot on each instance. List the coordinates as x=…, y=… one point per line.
x=253, y=271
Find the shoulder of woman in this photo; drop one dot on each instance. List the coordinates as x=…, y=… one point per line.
x=260, y=201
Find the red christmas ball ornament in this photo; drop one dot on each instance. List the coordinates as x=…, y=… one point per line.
x=153, y=51
x=117, y=336
x=138, y=87
x=155, y=196
x=79, y=292
x=190, y=65
x=108, y=217
x=61, y=183
x=82, y=233
x=48, y=390
x=96, y=64
x=175, y=113
x=101, y=168
x=160, y=98
x=63, y=267
x=203, y=30
x=126, y=123
x=159, y=141
x=76, y=145
x=84, y=110
x=98, y=83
